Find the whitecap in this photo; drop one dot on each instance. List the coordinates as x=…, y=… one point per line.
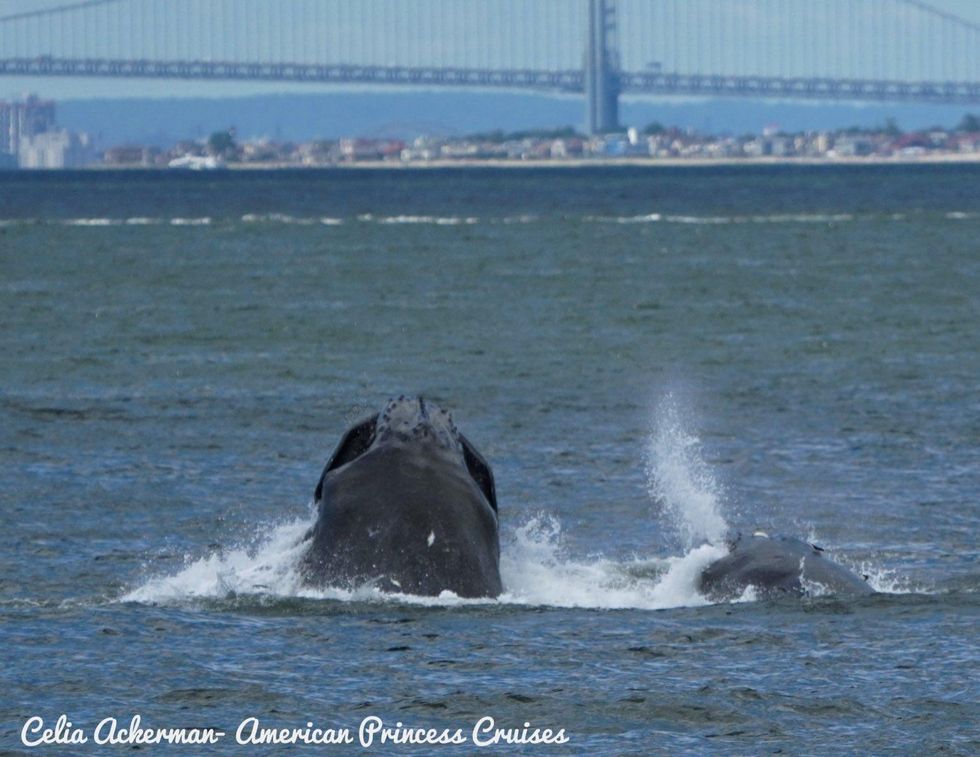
x=92, y=222
x=435, y=220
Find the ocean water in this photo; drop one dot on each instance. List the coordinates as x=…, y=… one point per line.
x=648, y=358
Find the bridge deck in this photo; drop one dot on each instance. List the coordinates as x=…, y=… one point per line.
x=664, y=83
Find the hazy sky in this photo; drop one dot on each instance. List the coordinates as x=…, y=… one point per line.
x=78, y=88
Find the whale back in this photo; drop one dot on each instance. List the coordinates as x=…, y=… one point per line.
x=777, y=566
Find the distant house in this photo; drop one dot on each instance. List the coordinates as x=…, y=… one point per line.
x=361, y=149
x=132, y=155
x=853, y=146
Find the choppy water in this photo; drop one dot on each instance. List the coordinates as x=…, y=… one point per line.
x=646, y=357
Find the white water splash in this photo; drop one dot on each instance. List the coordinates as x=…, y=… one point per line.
x=534, y=569
x=681, y=481
x=268, y=569
x=882, y=580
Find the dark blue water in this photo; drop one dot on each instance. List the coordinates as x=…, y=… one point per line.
x=647, y=358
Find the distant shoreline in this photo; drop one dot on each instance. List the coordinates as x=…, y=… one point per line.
x=633, y=162
x=563, y=163
x=946, y=158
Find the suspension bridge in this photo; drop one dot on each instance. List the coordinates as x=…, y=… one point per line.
x=832, y=49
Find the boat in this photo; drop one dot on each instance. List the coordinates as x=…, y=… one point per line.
x=196, y=163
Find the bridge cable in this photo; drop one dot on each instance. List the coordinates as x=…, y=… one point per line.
x=57, y=9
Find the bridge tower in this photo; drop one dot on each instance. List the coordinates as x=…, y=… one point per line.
x=601, y=74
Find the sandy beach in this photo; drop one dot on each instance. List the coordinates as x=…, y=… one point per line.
x=873, y=160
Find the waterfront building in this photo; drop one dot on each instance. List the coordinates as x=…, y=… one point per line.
x=23, y=120
x=55, y=149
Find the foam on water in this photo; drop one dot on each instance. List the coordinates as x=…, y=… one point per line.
x=435, y=220
x=881, y=579
x=269, y=568
x=718, y=220
x=534, y=569
x=92, y=222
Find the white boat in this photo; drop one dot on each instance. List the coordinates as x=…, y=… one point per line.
x=196, y=163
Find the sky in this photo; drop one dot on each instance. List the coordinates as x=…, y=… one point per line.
x=79, y=88
x=539, y=107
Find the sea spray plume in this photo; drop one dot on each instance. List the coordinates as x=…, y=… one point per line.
x=681, y=481
x=755, y=566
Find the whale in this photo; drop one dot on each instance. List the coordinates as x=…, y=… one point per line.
x=408, y=505
x=774, y=567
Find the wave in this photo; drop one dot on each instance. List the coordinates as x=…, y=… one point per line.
x=277, y=218
x=712, y=220
x=436, y=220
x=106, y=221
x=457, y=220
x=92, y=222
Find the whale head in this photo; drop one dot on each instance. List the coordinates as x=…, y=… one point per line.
x=418, y=423
x=413, y=420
